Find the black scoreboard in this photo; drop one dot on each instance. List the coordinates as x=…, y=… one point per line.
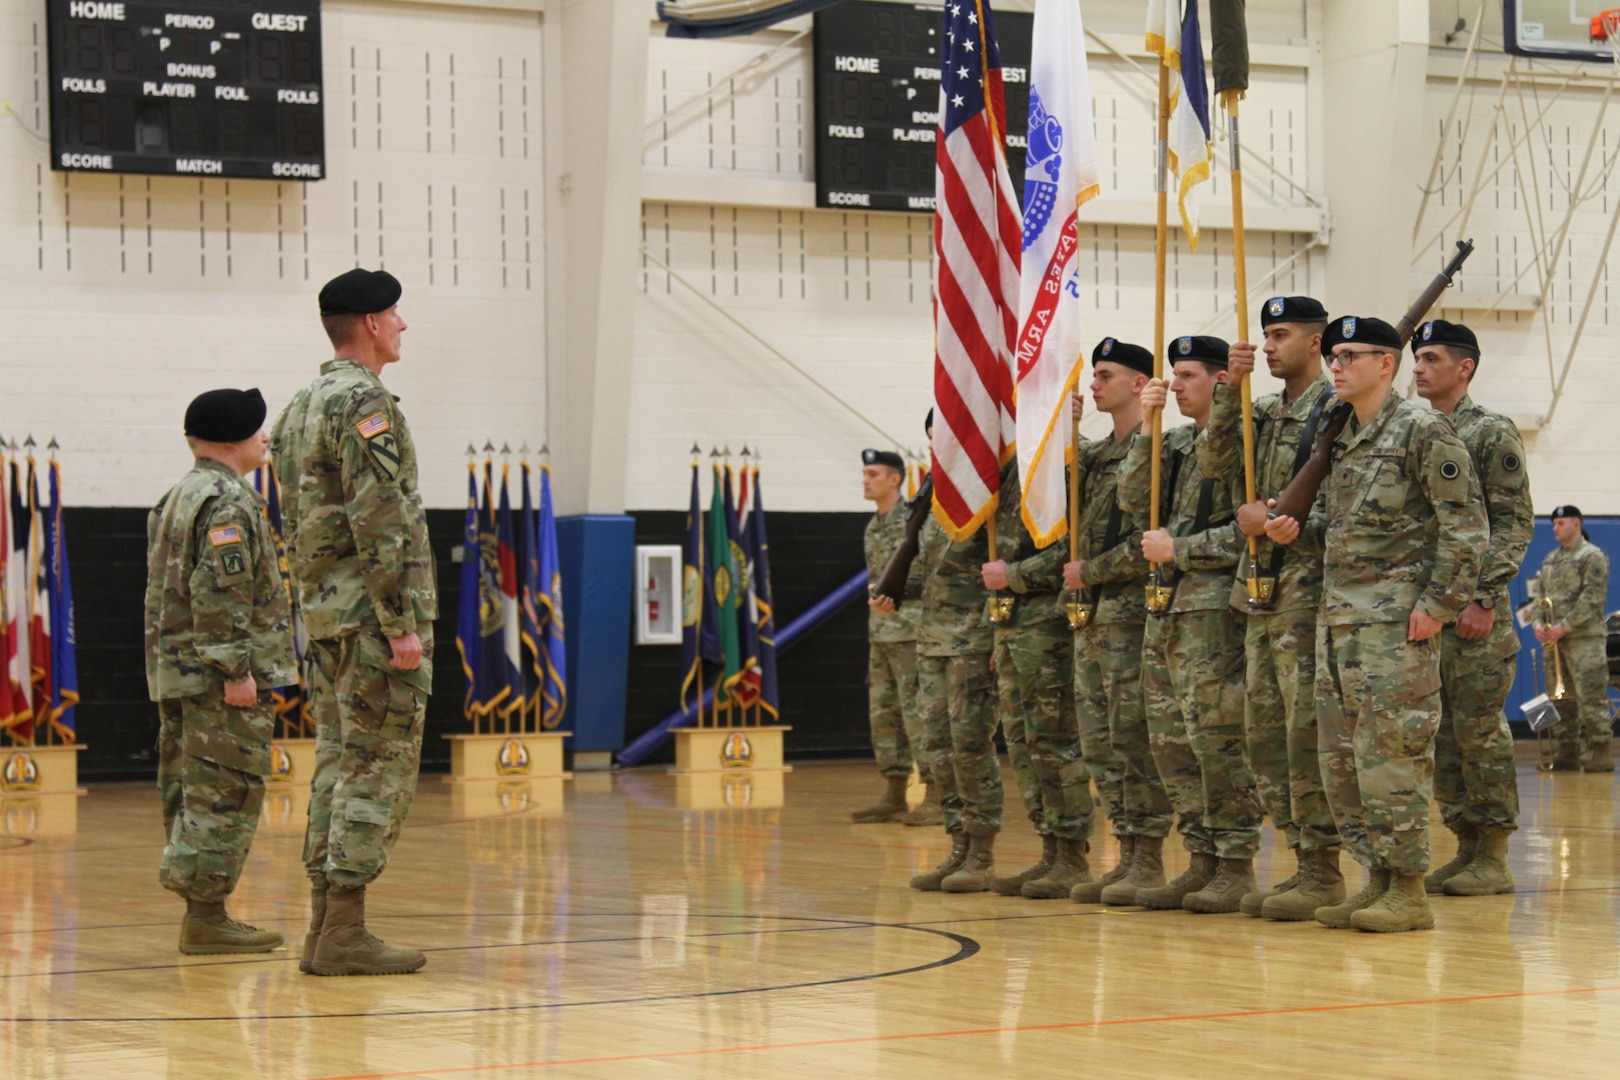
x=187, y=87
x=877, y=102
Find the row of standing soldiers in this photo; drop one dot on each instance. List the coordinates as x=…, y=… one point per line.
x=1373, y=676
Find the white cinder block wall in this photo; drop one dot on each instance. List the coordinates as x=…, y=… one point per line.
x=121, y=297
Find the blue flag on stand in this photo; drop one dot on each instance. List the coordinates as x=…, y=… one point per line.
x=478, y=618
x=59, y=593
x=544, y=598
x=511, y=638
x=759, y=587
x=697, y=622
x=745, y=691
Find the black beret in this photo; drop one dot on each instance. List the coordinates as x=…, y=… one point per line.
x=1364, y=330
x=1211, y=350
x=1301, y=309
x=928, y=424
x=1330, y=338
x=360, y=292
x=1567, y=511
x=1441, y=332
x=226, y=416
x=1123, y=353
x=883, y=457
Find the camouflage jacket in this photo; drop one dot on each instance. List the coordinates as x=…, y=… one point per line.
x=1205, y=558
x=352, y=516
x=953, y=621
x=1498, y=455
x=1576, y=580
x=1034, y=576
x=1115, y=574
x=1399, y=520
x=1278, y=426
x=216, y=605
x=884, y=534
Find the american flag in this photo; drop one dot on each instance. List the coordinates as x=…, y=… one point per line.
x=976, y=247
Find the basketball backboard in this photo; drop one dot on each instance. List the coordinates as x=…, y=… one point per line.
x=1555, y=29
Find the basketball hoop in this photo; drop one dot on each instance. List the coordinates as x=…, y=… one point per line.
x=1606, y=28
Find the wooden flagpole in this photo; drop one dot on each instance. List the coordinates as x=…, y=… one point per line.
x=1240, y=279
x=1160, y=256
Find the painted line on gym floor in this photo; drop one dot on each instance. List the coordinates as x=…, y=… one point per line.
x=456, y=1070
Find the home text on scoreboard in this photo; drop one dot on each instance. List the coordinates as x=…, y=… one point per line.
x=228, y=88
x=877, y=102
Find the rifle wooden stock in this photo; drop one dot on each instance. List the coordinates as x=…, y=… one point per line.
x=1296, y=499
x=892, y=583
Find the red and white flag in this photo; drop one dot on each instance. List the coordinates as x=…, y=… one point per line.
x=1061, y=175
x=976, y=245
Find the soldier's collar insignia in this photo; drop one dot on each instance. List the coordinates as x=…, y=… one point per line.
x=1184, y=346
x=1348, y=327
x=1274, y=307
x=1107, y=346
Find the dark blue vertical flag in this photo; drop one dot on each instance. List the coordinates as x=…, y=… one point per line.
x=528, y=564
x=468, y=639
x=746, y=689
x=479, y=616
x=506, y=560
x=759, y=583
x=59, y=591
x=696, y=623
x=551, y=655
x=291, y=702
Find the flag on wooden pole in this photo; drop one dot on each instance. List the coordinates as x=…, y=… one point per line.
x=1173, y=35
x=64, y=695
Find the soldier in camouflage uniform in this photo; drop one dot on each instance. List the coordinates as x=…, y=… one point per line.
x=362, y=570
x=1475, y=782
x=1400, y=523
x=1192, y=653
x=1108, y=580
x=218, y=641
x=1035, y=675
x=1280, y=633
x=1575, y=577
x=892, y=657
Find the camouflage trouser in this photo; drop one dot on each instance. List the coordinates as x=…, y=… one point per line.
x=1475, y=782
x=1586, y=670
x=1280, y=726
x=1377, y=709
x=892, y=706
x=956, y=710
x=368, y=745
x=1010, y=712
x=1113, y=728
x=1192, y=684
x=210, y=810
x=1037, y=660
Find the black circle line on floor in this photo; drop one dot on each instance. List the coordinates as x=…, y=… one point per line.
x=966, y=948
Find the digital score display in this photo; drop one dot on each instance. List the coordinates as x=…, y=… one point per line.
x=877, y=102
x=187, y=87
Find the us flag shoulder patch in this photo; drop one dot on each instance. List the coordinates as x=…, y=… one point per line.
x=220, y=537
x=372, y=426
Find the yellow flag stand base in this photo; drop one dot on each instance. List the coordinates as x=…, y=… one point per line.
x=512, y=756
x=729, y=749
x=292, y=761
x=39, y=790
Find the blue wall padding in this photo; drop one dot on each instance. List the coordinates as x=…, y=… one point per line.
x=1605, y=533
x=598, y=554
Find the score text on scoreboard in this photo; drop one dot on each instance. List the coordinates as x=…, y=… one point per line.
x=877, y=102
x=187, y=88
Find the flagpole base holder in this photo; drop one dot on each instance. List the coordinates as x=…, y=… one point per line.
x=47, y=769
x=509, y=756
x=729, y=749
x=292, y=761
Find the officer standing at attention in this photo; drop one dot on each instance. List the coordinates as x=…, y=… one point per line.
x=1192, y=652
x=1109, y=577
x=218, y=640
x=1474, y=779
x=1575, y=577
x=362, y=570
x=1400, y=524
x=1280, y=631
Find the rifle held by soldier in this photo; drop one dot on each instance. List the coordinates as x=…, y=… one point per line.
x=892, y=583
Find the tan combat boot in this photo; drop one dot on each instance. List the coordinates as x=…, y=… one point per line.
x=1068, y=869
x=1321, y=885
x=1014, y=886
x=1147, y=872
x=1467, y=845
x=1251, y=903
x=1568, y=757
x=1488, y=873
x=317, y=915
x=928, y=812
x=888, y=808
x=347, y=948
x=1090, y=892
x=1598, y=758
x=207, y=930
x=1337, y=916
x=1200, y=871
x=929, y=880
x=977, y=869
x=1404, y=906
x=1222, y=896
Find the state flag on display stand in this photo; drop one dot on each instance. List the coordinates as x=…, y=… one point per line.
x=39, y=623
x=59, y=591
x=976, y=247
x=19, y=601
x=1061, y=175
x=723, y=586
x=506, y=557
x=697, y=620
x=759, y=587
x=1174, y=37
x=13, y=705
x=545, y=599
x=478, y=615
x=745, y=691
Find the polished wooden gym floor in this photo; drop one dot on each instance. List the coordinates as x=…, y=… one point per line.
x=646, y=925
